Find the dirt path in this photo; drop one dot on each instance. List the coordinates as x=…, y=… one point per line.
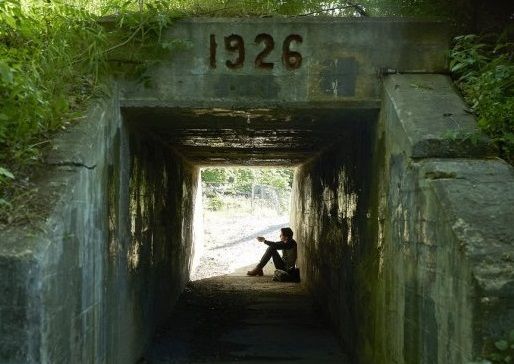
x=225, y=316
x=229, y=241
x=247, y=319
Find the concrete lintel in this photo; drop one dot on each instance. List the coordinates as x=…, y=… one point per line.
x=334, y=59
x=429, y=119
x=371, y=103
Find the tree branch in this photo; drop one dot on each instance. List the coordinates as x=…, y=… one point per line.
x=358, y=8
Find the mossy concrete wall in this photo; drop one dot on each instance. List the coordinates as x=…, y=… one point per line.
x=403, y=224
x=89, y=279
x=445, y=276
x=405, y=236
x=331, y=210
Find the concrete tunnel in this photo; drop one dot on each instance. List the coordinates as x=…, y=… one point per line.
x=403, y=232
x=333, y=151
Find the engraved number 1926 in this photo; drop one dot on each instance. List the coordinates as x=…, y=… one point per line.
x=235, y=43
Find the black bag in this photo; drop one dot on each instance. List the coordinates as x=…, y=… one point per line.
x=294, y=273
x=290, y=275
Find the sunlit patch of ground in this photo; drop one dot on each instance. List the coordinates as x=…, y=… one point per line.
x=230, y=239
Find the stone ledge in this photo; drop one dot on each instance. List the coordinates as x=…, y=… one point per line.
x=429, y=119
x=478, y=199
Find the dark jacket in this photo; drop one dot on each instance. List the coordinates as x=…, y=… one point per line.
x=290, y=251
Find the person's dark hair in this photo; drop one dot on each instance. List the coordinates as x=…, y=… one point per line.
x=287, y=232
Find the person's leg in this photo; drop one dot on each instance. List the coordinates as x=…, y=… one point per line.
x=277, y=260
x=271, y=253
x=268, y=254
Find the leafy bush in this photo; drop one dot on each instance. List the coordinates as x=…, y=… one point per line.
x=215, y=203
x=499, y=351
x=242, y=179
x=228, y=187
x=484, y=72
x=54, y=56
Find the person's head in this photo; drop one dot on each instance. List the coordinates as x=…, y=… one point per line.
x=286, y=234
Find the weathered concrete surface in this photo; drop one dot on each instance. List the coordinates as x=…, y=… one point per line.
x=342, y=59
x=331, y=209
x=251, y=319
x=391, y=243
x=445, y=265
x=443, y=292
x=407, y=243
x=427, y=118
x=108, y=257
x=250, y=137
x=50, y=305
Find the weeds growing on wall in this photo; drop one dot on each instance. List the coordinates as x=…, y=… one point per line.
x=56, y=54
x=484, y=70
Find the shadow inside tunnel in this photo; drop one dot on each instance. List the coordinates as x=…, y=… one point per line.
x=251, y=319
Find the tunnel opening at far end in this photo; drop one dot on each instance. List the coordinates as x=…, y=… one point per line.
x=333, y=194
x=239, y=205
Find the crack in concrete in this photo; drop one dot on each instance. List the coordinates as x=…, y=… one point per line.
x=71, y=164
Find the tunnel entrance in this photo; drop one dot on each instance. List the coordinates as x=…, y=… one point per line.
x=383, y=247
x=332, y=152
x=238, y=205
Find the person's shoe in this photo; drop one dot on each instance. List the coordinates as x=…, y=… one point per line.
x=255, y=272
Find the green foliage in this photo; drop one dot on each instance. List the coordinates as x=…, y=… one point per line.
x=215, y=203
x=57, y=54
x=242, y=179
x=40, y=84
x=407, y=7
x=484, y=72
x=231, y=188
x=281, y=179
x=214, y=175
x=499, y=352
x=5, y=176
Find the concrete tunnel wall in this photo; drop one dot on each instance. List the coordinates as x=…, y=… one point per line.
x=397, y=273
x=392, y=246
x=332, y=210
x=441, y=291
x=91, y=281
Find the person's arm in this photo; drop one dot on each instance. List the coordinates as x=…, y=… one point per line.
x=280, y=245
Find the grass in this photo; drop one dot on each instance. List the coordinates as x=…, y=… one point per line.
x=483, y=69
x=55, y=56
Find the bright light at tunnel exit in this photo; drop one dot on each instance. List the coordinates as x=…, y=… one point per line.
x=238, y=205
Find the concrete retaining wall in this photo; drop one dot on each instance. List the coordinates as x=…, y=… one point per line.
x=405, y=239
x=445, y=272
x=331, y=210
x=90, y=278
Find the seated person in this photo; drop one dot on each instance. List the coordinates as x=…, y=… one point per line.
x=284, y=263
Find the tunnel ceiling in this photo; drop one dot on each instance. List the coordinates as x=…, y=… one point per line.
x=256, y=137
